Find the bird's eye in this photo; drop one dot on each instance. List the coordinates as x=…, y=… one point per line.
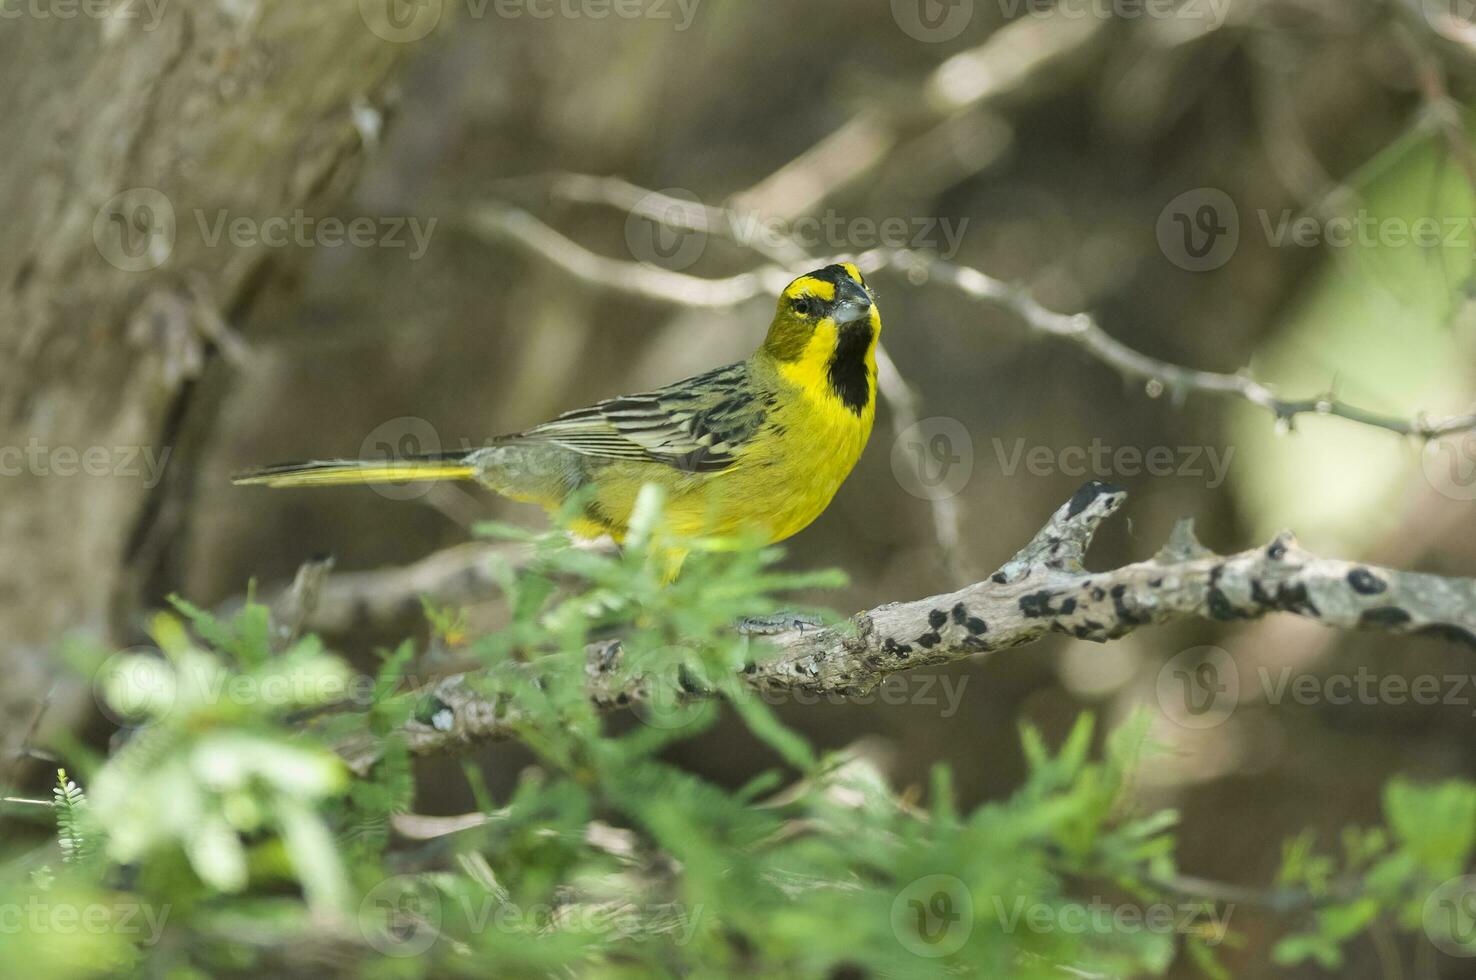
x=806, y=306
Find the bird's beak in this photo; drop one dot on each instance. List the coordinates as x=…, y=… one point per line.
x=852, y=302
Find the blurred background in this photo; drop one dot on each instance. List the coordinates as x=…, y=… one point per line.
x=239, y=233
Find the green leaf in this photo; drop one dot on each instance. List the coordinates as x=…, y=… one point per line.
x=1436, y=824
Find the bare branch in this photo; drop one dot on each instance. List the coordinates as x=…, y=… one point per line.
x=1082, y=329
x=1024, y=53
x=1044, y=589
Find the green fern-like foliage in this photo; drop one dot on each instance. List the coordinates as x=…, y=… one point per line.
x=74, y=829
x=236, y=830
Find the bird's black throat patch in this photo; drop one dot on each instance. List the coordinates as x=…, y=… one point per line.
x=849, y=376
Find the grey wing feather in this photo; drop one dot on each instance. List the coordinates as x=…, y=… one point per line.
x=694, y=425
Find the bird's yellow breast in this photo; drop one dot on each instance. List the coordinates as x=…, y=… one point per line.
x=784, y=477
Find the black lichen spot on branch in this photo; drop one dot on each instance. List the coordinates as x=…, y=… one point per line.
x=1089, y=492
x=1038, y=604
x=1286, y=598
x=1125, y=614
x=1384, y=616
x=1365, y=582
x=973, y=624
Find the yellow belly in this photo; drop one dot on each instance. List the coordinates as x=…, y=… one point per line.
x=782, y=481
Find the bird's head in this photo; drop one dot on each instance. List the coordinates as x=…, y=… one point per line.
x=819, y=311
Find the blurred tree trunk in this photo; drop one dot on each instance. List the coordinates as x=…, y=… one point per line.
x=126, y=141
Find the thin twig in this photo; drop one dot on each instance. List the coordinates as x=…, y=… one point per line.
x=515, y=225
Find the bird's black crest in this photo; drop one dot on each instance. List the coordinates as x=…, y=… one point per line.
x=833, y=274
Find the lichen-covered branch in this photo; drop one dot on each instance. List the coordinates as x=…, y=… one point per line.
x=1044, y=589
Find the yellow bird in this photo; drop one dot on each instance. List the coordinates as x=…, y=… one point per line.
x=756, y=447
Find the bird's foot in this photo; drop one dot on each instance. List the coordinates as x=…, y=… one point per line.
x=780, y=622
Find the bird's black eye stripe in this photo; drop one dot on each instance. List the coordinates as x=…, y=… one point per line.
x=806, y=306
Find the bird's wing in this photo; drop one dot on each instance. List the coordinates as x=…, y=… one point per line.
x=695, y=425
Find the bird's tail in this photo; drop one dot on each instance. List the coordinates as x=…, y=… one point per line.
x=344, y=472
